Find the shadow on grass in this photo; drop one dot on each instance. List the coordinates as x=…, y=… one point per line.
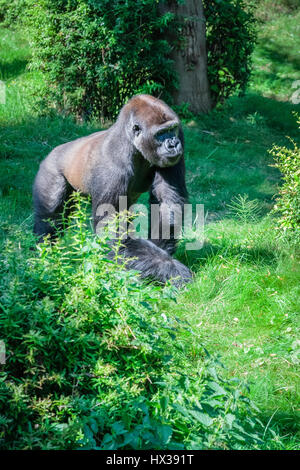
x=287, y=424
x=11, y=70
x=279, y=56
x=37, y=137
x=277, y=115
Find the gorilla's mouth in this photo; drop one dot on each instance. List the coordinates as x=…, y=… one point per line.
x=170, y=160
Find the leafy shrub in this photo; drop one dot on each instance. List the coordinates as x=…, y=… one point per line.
x=91, y=362
x=98, y=53
x=230, y=28
x=288, y=202
x=12, y=11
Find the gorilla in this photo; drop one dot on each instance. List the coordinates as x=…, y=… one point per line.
x=142, y=151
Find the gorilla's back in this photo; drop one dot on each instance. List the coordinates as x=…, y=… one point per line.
x=74, y=158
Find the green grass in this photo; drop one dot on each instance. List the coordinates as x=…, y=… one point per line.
x=244, y=301
x=276, y=58
x=245, y=305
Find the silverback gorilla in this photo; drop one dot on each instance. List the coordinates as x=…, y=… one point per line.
x=142, y=151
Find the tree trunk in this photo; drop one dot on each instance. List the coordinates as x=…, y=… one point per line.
x=190, y=57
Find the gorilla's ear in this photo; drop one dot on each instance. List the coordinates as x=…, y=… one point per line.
x=133, y=128
x=136, y=129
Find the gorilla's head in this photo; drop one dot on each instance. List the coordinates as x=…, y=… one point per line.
x=155, y=130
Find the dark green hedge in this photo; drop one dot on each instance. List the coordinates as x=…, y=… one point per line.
x=98, y=53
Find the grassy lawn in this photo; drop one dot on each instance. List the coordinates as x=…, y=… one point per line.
x=244, y=302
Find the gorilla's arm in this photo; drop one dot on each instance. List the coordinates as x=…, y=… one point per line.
x=169, y=191
x=154, y=262
x=143, y=255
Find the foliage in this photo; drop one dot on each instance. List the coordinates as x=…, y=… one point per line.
x=11, y=11
x=230, y=42
x=98, y=53
x=91, y=361
x=287, y=160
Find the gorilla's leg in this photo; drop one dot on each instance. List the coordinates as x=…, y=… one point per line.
x=145, y=256
x=49, y=193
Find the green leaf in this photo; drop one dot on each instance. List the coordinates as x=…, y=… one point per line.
x=229, y=418
x=203, y=418
x=165, y=432
x=164, y=403
x=217, y=388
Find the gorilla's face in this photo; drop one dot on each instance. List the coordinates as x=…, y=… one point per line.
x=169, y=148
x=154, y=130
x=160, y=145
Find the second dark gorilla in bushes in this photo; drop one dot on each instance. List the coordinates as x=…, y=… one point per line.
x=142, y=151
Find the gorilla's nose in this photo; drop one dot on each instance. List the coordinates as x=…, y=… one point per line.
x=173, y=143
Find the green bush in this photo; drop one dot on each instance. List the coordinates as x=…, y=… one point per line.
x=288, y=203
x=92, y=363
x=98, y=53
x=231, y=35
x=12, y=11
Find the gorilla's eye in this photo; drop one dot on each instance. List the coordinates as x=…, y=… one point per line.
x=161, y=136
x=136, y=129
x=167, y=133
